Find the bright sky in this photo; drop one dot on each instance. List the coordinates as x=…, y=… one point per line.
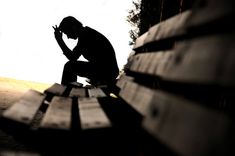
x=28, y=49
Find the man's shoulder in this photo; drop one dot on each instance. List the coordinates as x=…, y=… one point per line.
x=97, y=37
x=91, y=30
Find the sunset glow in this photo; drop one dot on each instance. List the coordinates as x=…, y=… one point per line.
x=28, y=50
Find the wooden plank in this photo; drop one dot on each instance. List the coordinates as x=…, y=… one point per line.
x=137, y=96
x=96, y=92
x=203, y=16
x=92, y=115
x=56, y=89
x=187, y=127
x=24, y=110
x=228, y=78
x=58, y=115
x=129, y=61
x=172, y=27
x=18, y=153
x=78, y=92
x=128, y=91
x=88, y=102
x=121, y=82
x=149, y=60
x=144, y=62
x=140, y=40
x=135, y=62
x=156, y=57
x=164, y=61
x=93, y=119
x=152, y=32
x=201, y=60
x=169, y=28
x=142, y=99
x=154, y=63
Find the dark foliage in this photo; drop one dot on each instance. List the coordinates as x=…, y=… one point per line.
x=146, y=13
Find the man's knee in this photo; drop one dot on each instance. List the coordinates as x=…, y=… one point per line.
x=78, y=67
x=69, y=65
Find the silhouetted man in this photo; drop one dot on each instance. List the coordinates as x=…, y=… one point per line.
x=101, y=67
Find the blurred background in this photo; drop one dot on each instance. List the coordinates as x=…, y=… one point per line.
x=28, y=50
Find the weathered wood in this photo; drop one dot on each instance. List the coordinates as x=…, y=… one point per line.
x=122, y=80
x=163, y=62
x=78, y=92
x=172, y=27
x=129, y=61
x=96, y=92
x=135, y=62
x=202, y=60
x=56, y=89
x=88, y=102
x=137, y=96
x=214, y=13
x=91, y=114
x=187, y=127
x=24, y=110
x=18, y=153
x=144, y=62
x=152, y=63
x=58, y=115
x=128, y=91
x=140, y=40
x=156, y=57
x=228, y=78
x=142, y=99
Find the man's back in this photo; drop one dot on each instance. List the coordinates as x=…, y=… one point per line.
x=97, y=49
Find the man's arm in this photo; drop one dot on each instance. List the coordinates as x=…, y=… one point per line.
x=66, y=51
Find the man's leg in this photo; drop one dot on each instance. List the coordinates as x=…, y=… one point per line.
x=72, y=69
x=68, y=74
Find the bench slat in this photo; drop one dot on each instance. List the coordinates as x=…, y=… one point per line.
x=58, y=115
x=153, y=63
x=56, y=89
x=24, y=110
x=192, y=61
x=137, y=96
x=96, y=92
x=136, y=62
x=202, y=60
x=144, y=62
x=169, y=28
x=187, y=127
x=91, y=114
x=78, y=92
x=140, y=40
x=122, y=80
x=18, y=153
x=156, y=57
x=128, y=91
x=204, y=16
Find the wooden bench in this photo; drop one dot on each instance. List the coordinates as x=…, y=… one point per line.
x=175, y=96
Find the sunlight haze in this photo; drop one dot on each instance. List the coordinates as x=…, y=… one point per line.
x=28, y=50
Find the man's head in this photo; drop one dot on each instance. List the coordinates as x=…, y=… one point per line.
x=71, y=27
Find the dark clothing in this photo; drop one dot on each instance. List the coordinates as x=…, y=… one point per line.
x=102, y=66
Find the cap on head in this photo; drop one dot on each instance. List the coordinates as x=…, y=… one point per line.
x=68, y=23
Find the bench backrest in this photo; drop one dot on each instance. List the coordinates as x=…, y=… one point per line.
x=181, y=80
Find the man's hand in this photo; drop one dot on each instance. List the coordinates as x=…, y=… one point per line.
x=58, y=33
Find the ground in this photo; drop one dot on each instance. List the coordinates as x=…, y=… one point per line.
x=10, y=91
